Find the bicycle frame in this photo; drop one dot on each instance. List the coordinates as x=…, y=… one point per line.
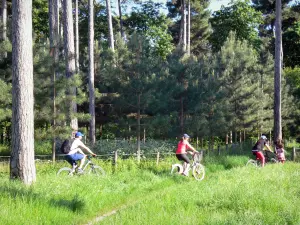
x=193, y=164
x=88, y=162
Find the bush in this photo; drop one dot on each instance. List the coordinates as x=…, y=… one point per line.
x=4, y=150
x=43, y=147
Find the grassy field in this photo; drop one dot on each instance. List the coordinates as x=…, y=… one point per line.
x=146, y=194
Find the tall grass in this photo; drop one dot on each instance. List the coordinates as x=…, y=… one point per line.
x=236, y=196
x=147, y=194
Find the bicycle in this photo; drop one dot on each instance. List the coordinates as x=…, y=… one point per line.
x=196, y=167
x=268, y=159
x=93, y=169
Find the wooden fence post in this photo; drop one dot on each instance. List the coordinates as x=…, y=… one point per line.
x=157, y=158
x=226, y=142
x=115, y=159
x=219, y=152
x=294, y=154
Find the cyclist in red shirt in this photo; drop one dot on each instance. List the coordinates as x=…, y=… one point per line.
x=258, y=149
x=181, y=152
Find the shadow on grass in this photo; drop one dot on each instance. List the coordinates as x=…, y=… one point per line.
x=27, y=196
x=76, y=204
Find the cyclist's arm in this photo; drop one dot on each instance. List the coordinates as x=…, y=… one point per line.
x=80, y=151
x=190, y=147
x=268, y=147
x=86, y=148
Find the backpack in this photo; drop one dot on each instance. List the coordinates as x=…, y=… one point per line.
x=66, y=146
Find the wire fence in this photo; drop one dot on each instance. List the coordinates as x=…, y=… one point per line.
x=230, y=149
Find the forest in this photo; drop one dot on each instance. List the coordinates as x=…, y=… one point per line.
x=139, y=70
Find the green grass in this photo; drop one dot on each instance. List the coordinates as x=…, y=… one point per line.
x=148, y=194
x=237, y=196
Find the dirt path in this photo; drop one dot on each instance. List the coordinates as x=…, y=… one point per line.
x=102, y=217
x=130, y=204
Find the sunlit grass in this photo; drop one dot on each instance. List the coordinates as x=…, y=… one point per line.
x=146, y=193
x=236, y=196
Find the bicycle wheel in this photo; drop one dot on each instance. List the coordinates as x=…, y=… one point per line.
x=97, y=170
x=273, y=160
x=252, y=162
x=177, y=168
x=198, y=171
x=65, y=172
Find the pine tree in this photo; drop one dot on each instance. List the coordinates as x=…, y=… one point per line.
x=70, y=57
x=22, y=164
x=91, y=73
x=236, y=68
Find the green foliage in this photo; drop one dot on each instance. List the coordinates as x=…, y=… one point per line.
x=4, y=150
x=291, y=45
x=5, y=100
x=200, y=28
x=40, y=20
x=290, y=37
x=45, y=86
x=128, y=147
x=42, y=147
x=240, y=17
x=147, y=21
x=292, y=77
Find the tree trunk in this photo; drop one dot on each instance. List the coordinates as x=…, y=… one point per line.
x=91, y=73
x=110, y=27
x=70, y=56
x=54, y=52
x=121, y=20
x=181, y=115
x=278, y=70
x=138, y=136
x=184, y=25
x=22, y=164
x=189, y=28
x=4, y=23
x=76, y=38
x=182, y=35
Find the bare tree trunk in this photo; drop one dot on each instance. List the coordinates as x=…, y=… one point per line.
x=76, y=38
x=54, y=51
x=22, y=164
x=110, y=27
x=184, y=25
x=4, y=23
x=189, y=28
x=121, y=20
x=182, y=35
x=91, y=73
x=181, y=115
x=70, y=56
x=278, y=70
x=138, y=134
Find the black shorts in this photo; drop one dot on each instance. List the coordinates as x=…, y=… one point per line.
x=183, y=157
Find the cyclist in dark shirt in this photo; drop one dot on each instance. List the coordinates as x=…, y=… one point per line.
x=258, y=148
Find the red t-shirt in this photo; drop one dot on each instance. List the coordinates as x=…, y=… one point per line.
x=182, y=147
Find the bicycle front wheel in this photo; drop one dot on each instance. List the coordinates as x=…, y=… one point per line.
x=97, y=170
x=273, y=160
x=198, y=171
x=252, y=162
x=65, y=172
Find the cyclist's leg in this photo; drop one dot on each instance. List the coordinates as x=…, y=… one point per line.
x=70, y=160
x=82, y=158
x=77, y=156
x=186, y=162
x=260, y=156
